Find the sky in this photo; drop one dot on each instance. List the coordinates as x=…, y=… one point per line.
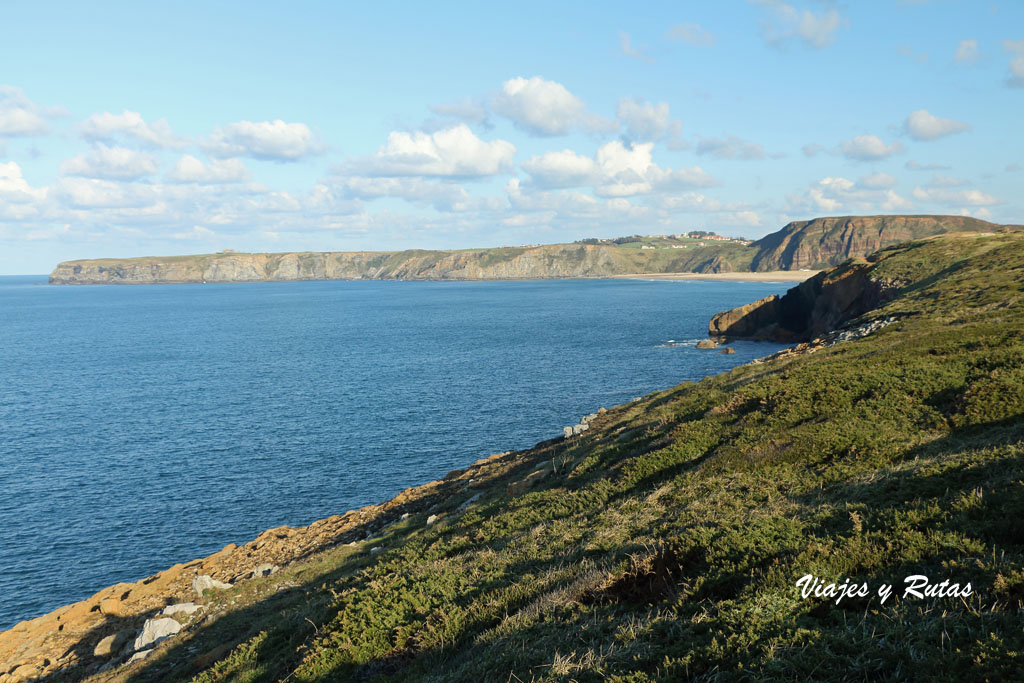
x=135, y=129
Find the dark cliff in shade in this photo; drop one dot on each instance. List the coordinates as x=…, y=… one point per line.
x=812, y=308
x=803, y=245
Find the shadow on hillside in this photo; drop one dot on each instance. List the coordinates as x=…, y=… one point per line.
x=989, y=477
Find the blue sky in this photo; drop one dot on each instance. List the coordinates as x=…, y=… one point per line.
x=131, y=129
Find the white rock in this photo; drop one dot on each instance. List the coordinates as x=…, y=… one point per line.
x=470, y=501
x=405, y=515
x=205, y=583
x=265, y=569
x=431, y=519
x=139, y=656
x=374, y=551
x=155, y=631
x=182, y=608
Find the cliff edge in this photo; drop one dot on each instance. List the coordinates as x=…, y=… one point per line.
x=664, y=542
x=802, y=245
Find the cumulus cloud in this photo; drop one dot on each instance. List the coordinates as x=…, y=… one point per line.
x=835, y=195
x=954, y=198
x=545, y=108
x=921, y=125
x=266, y=140
x=14, y=188
x=785, y=23
x=967, y=52
x=1016, y=77
x=617, y=170
x=646, y=121
x=444, y=196
x=111, y=163
x=868, y=148
x=452, y=152
x=730, y=147
x=564, y=168
x=189, y=169
x=691, y=34
x=19, y=116
x=93, y=193
x=107, y=127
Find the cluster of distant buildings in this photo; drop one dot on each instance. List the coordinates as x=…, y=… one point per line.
x=692, y=235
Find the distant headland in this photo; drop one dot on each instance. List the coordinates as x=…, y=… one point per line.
x=799, y=246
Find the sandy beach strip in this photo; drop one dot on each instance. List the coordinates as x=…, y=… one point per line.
x=766, y=276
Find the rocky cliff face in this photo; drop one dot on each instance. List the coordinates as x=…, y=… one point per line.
x=824, y=242
x=809, y=310
x=548, y=261
x=800, y=245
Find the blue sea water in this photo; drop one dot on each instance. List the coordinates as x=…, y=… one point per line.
x=144, y=426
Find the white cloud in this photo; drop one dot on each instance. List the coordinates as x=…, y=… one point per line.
x=14, y=188
x=545, y=108
x=921, y=125
x=189, y=169
x=955, y=198
x=267, y=140
x=967, y=52
x=107, y=127
x=691, y=34
x=617, y=170
x=785, y=23
x=20, y=116
x=868, y=148
x=877, y=181
x=646, y=121
x=837, y=195
x=93, y=193
x=452, y=152
x=111, y=163
x=565, y=168
x=443, y=196
x=562, y=202
x=730, y=147
x=1016, y=77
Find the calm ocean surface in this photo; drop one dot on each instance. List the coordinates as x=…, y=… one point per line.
x=144, y=426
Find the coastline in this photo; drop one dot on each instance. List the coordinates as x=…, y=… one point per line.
x=766, y=276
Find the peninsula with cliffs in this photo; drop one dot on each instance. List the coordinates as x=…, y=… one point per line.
x=800, y=245
x=708, y=531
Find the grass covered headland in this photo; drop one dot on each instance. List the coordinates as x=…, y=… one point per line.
x=666, y=542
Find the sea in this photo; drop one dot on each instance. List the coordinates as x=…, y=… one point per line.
x=141, y=426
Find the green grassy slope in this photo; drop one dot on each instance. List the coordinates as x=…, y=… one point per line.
x=665, y=543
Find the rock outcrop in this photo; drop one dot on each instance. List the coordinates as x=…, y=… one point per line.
x=814, y=307
x=506, y=263
x=128, y=622
x=824, y=242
